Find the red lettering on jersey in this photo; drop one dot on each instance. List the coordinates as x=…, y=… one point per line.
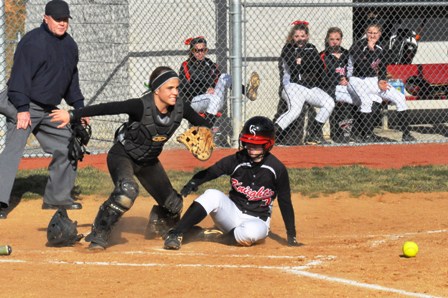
x=262, y=194
x=340, y=70
x=375, y=65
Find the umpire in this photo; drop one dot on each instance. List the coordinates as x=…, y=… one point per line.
x=44, y=72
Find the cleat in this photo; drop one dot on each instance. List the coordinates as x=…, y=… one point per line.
x=252, y=88
x=315, y=141
x=96, y=247
x=407, y=137
x=372, y=138
x=173, y=240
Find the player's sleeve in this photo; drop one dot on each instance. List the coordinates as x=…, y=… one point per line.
x=222, y=167
x=132, y=107
x=285, y=203
x=382, y=71
x=288, y=57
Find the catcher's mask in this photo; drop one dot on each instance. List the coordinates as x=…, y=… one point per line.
x=62, y=230
x=258, y=130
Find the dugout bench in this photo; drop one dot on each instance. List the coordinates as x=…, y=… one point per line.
x=426, y=91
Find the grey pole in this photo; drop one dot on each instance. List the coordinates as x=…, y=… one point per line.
x=2, y=69
x=236, y=65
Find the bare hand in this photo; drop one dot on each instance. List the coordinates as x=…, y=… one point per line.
x=85, y=120
x=383, y=85
x=60, y=116
x=23, y=120
x=211, y=90
x=371, y=45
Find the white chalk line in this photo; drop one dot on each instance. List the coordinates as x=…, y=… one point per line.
x=164, y=252
x=386, y=235
x=296, y=270
x=393, y=237
x=358, y=284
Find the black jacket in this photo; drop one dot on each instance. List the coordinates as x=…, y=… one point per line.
x=310, y=70
x=366, y=63
x=45, y=71
x=335, y=69
x=196, y=76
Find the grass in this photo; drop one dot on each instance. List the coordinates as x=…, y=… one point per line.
x=313, y=183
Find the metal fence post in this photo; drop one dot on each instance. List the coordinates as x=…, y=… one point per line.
x=2, y=66
x=236, y=66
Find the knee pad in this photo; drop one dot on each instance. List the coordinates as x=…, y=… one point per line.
x=174, y=203
x=125, y=193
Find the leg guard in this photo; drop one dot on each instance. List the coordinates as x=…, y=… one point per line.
x=111, y=211
x=160, y=222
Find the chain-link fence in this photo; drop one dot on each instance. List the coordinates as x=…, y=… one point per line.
x=122, y=41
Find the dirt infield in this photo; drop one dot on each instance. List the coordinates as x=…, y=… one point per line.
x=352, y=246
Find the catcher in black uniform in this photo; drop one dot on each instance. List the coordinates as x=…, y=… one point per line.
x=153, y=119
x=257, y=178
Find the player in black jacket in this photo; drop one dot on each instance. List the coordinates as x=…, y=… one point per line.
x=203, y=84
x=153, y=119
x=368, y=79
x=257, y=178
x=335, y=59
x=303, y=81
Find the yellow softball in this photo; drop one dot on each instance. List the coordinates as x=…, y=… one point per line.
x=410, y=249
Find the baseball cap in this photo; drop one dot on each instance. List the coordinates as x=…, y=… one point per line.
x=57, y=9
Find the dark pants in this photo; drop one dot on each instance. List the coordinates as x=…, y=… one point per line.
x=151, y=176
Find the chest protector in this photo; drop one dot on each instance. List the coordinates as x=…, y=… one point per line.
x=144, y=140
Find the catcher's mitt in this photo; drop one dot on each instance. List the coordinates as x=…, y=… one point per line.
x=199, y=141
x=81, y=133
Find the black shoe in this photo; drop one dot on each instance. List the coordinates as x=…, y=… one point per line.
x=93, y=246
x=372, y=138
x=173, y=240
x=72, y=206
x=3, y=214
x=309, y=140
x=407, y=137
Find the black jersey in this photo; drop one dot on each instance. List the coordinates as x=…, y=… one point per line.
x=196, y=76
x=335, y=68
x=364, y=62
x=254, y=186
x=303, y=64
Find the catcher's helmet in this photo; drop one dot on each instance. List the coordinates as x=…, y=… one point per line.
x=258, y=130
x=62, y=230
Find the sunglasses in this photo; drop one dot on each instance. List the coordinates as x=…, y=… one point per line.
x=200, y=50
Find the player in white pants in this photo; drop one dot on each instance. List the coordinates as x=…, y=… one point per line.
x=212, y=103
x=302, y=82
x=257, y=179
x=203, y=85
x=335, y=59
x=368, y=80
